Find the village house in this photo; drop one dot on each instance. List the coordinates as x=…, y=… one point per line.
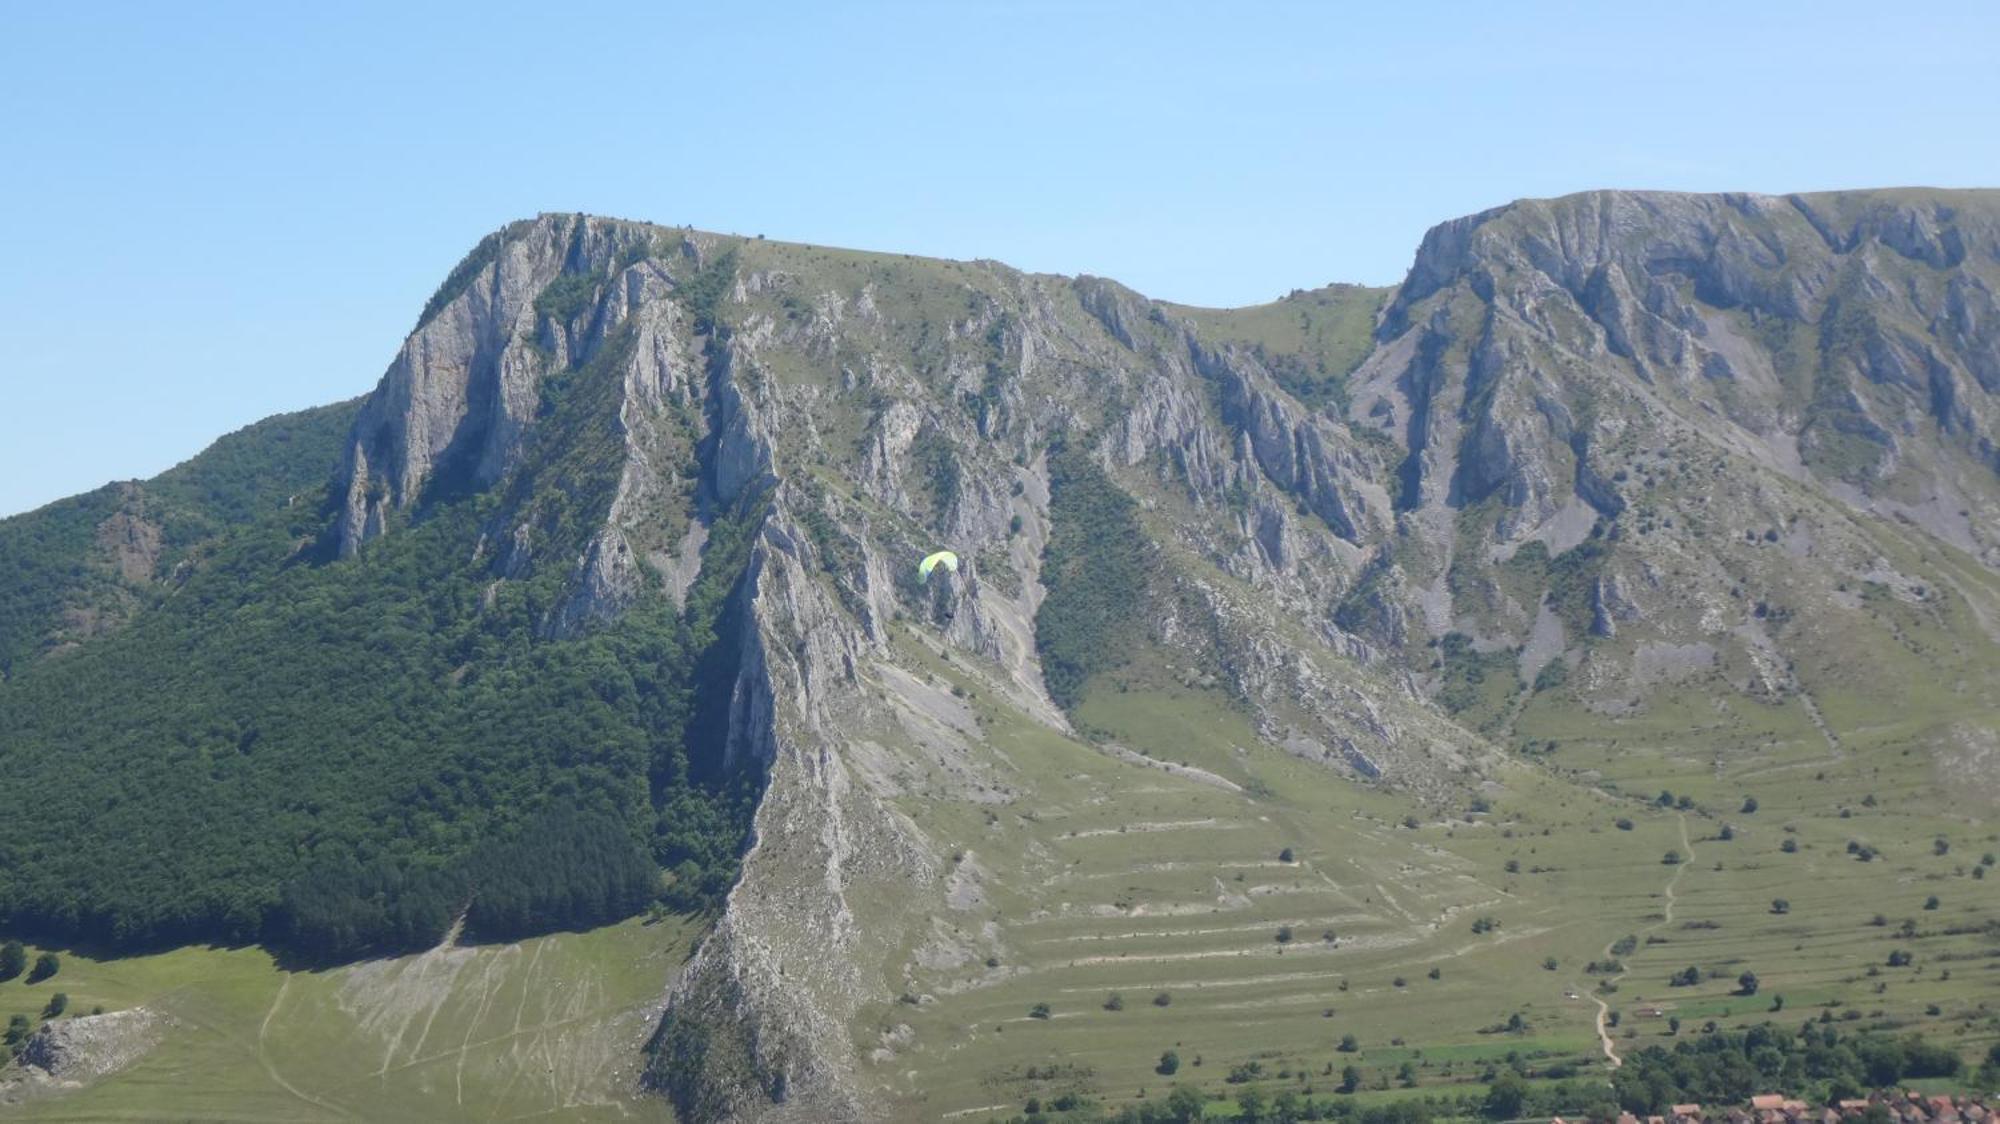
x=1902, y=1107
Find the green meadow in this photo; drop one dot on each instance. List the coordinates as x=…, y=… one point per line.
x=542, y=1029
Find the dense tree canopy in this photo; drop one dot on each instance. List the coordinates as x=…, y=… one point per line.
x=343, y=756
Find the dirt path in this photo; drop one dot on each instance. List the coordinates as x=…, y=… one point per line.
x=1819, y=722
x=259, y=1051
x=1666, y=918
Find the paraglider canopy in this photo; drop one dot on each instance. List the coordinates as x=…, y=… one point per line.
x=931, y=562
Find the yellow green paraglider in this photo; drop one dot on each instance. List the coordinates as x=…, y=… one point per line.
x=943, y=558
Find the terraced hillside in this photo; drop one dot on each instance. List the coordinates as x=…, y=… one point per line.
x=1412, y=683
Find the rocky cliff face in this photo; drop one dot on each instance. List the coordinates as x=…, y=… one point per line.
x=1599, y=450
x=1718, y=397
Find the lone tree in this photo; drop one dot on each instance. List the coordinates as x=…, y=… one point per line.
x=1170, y=1064
x=46, y=965
x=1349, y=1044
x=1505, y=1098
x=1350, y=1079
x=1780, y=905
x=13, y=960
x=1746, y=984
x=1185, y=1105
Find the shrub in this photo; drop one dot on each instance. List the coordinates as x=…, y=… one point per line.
x=1096, y=572
x=569, y=294
x=1039, y=1011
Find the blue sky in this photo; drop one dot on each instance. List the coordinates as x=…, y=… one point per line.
x=210, y=212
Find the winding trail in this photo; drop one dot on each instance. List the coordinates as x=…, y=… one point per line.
x=1666, y=918
x=259, y=1051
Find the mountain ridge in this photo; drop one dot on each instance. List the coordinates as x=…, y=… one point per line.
x=1598, y=462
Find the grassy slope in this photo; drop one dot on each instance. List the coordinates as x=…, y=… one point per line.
x=1121, y=876
x=1314, y=338
x=545, y=1027
x=1118, y=876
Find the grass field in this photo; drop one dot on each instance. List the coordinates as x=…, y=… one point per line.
x=547, y=1028
x=1127, y=878
x=1152, y=864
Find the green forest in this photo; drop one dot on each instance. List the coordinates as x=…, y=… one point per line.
x=342, y=757
x=1095, y=570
